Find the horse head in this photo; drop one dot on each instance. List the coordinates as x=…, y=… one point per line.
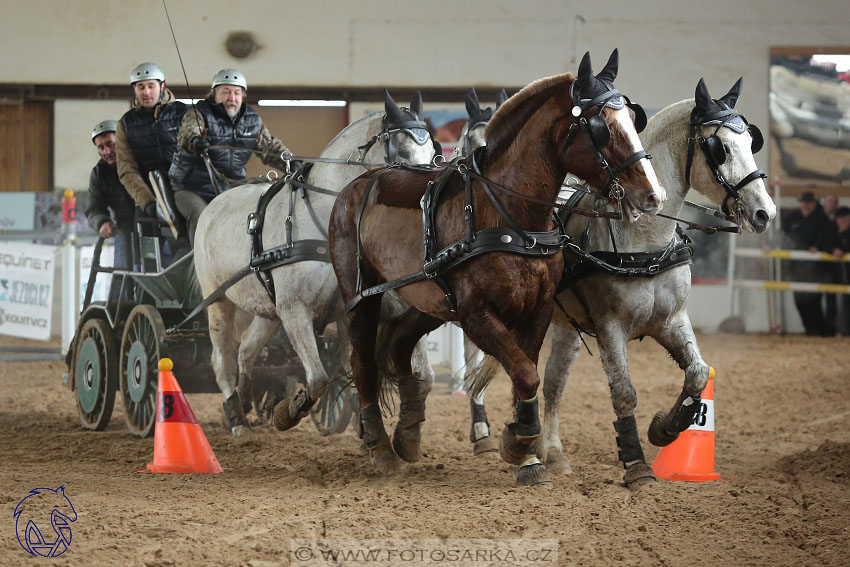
x=472, y=136
x=604, y=132
x=728, y=173
x=404, y=132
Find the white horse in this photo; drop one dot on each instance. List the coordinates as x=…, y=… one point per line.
x=617, y=308
x=306, y=291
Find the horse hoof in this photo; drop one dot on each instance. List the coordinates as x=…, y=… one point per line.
x=288, y=413
x=385, y=461
x=557, y=463
x=241, y=431
x=533, y=475
x=658, y=436
x=511, y=449
x=363, y=449
x=406, y=444
x=485, y=446
x=638, y=475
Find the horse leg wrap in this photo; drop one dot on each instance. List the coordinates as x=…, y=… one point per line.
x=518, y=438
x=480, y=425
x=289, y=412
x=630, y=451
x=233, y=413
x=374, y=433
x=527, y=425
x=407, y=433
x=375, y=438
x=665, y=428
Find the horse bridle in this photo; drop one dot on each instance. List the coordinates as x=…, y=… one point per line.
x=715, y=153
x=599, y=134
x=416, y=129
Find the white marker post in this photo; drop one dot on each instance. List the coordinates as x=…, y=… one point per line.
x=69, y=269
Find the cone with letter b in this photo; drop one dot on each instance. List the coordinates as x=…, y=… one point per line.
x=180, y=445
x=691, y=456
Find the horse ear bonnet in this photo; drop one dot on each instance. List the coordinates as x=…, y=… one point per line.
x=731, y=97
x=394, y=113
x=472, y=104
x=416, y=105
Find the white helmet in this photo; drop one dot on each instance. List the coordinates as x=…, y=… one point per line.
x=146, y=71
x=104, y=127
x=229, y=77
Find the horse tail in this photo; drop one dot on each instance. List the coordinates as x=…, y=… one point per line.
x=478, y=376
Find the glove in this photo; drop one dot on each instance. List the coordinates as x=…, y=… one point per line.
x=199, y=144
x=150, y=210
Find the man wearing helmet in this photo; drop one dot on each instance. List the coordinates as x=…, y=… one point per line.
x=106, y=192
x=221, y=119
x=146, y=138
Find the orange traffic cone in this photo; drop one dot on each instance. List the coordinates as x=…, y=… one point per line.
x=691, y=456
x=180, y=445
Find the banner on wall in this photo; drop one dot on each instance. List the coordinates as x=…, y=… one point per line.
x=101, y=284
x=26, y=289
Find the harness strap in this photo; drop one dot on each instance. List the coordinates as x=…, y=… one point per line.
x=488, y=240
x=360, y=212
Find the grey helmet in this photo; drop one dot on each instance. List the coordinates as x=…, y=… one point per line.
x=229, y=77
x=146, y=71
x=103, y=127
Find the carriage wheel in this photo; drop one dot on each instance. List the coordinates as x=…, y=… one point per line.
x=95, y=374
x=141, y=348
x=332, y=412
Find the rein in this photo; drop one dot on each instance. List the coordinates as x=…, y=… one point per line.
x=464, y=169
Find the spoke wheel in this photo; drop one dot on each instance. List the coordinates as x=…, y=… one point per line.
x=95, y=374
x=141, y=348
x=332, y=412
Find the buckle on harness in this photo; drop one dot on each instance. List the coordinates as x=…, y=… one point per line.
x=253, y=220
x=653, y=269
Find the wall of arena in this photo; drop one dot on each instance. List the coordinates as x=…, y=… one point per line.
x=665, y=46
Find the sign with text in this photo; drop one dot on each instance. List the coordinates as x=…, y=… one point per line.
x=26, y=289
x=101, y=284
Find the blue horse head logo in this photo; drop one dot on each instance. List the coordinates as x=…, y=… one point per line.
x=45, y=505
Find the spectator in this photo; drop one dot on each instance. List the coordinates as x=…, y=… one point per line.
x=840, y=247
x=809, y=229
x=221, y=119
x=831, y=271
x=830, y=206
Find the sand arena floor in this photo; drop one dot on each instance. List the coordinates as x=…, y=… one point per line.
x=783, y=449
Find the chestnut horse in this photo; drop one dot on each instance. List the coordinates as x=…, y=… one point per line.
x=502, y=277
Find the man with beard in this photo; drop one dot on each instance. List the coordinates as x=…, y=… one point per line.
x=221, y=119
x=106, y=194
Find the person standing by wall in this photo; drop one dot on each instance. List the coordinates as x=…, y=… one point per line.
x=809, y=229
x=840, y=247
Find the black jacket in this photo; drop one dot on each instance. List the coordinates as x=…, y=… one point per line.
x=815, y=230
x=188, y=171
x=106, y=192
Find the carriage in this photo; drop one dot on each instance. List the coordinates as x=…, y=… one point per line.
x=118, y=343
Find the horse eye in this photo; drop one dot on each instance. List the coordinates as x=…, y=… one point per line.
x=404, y=153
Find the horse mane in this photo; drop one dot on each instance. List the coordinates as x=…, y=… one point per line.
x=509, y=118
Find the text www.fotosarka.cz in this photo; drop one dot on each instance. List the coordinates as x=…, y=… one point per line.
x=392, y=552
